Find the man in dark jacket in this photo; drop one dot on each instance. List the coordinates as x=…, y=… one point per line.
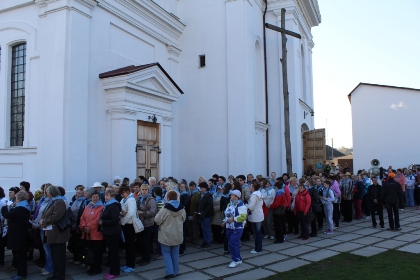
x=205, y=212
x=392, y=196
x=376, y=204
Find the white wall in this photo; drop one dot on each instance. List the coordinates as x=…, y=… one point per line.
x=384, y=126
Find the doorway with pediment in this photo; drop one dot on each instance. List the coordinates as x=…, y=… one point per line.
x=147, y=149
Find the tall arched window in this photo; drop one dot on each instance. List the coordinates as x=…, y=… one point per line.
x=17, y=100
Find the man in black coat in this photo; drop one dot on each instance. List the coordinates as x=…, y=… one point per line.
x=205, y=212
x=392, y=196
x=376, y=204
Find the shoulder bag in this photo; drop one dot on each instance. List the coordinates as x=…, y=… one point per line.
x=137, y=224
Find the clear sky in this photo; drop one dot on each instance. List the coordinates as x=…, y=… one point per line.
x=370, y=41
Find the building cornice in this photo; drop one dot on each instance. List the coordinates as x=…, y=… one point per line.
x=154, y=20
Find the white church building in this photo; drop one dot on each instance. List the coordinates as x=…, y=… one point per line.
x=91, y=89
x=384, y=121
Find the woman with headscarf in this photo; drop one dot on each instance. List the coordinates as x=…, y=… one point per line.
x=217, y=216
x=128, y=212
x=185, y=200
x=3, y=240
x=146, y=210
x=89, y=225
x=110, y=220
x=44, y=201
x=18, y=218
x=256, y=215
x=54, y=211
x=278, y=207
x=79, y=199
x=170, y=220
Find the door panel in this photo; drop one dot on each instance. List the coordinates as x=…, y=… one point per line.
x=148, y=154
x=314, y=150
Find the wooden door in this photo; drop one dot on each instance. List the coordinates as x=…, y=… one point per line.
x=148, y=149
x=314, y=150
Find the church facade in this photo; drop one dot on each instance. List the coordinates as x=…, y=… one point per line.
x=97, y=88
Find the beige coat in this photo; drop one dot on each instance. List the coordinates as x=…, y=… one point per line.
x=51, y=216
x=218, y=215
x=170, y=225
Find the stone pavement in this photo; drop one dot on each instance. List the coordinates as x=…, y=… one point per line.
x=357, y=237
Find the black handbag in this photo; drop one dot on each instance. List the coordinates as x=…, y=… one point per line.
x=67, y=221
x=281, y=210
x=37, y=239
x=86, y=254
x=316, y=207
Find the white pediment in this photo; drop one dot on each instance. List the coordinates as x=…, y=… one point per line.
x=152, y=81
x=152, y=84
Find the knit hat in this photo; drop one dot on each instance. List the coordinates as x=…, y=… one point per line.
x=236, y=193
x=391, y=175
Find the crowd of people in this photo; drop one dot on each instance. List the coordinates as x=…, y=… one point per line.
x=152, y=219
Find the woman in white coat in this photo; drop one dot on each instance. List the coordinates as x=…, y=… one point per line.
x=256, y=216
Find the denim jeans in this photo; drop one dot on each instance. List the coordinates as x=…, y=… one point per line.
x=171, y=256
x=328, y=211
x=233, y=237
x=205, y=225
x=48, y=259
x=256, y=227
x=409, y=197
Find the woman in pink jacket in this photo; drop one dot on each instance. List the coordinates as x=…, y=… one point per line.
x=89, y=225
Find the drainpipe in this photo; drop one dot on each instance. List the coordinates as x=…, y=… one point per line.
x=267, y=153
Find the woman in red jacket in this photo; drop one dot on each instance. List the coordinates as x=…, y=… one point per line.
x=279, y=206
x=302, y=206
x=89, y=225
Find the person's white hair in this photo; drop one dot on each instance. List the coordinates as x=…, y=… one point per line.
x=152, y=179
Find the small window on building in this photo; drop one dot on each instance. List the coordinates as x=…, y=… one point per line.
x=17, y=100
x=202, y=60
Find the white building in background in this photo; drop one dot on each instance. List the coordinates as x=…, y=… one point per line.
x=93, y=89
x=384, y=120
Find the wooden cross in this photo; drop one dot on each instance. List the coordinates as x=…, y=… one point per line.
x=283, y=61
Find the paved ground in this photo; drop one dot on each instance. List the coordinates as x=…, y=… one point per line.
x=357, y=237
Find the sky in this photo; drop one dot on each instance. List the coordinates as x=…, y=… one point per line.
x=369, y=41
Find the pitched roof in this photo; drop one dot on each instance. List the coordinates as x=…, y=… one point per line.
x=335, y=153
x=376, y=85
x=131, y=69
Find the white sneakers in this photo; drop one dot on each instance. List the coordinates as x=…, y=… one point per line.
x=255, y=252
x=265, y=236
x=272, y=237
x=235, y=264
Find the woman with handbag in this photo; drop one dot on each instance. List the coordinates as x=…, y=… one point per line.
x=48, y=267
x=146, y=211
x=111, y=231
x=54, y=211
x=170, y=220
x=278, y=208
x=89, y=225
x=128, y=212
